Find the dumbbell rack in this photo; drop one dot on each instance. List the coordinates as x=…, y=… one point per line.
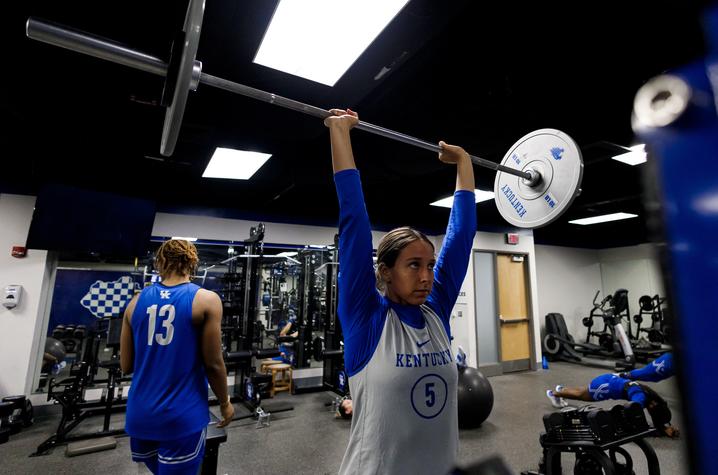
x=596, y=436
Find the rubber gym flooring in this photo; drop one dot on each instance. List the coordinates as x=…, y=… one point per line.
x=309, y=440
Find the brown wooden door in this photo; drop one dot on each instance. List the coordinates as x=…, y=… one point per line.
x=513, y=309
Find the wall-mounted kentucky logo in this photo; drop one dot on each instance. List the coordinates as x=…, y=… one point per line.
x=108, y=299
x=557, y=153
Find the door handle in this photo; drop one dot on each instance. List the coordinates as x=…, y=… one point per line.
x=513, y=320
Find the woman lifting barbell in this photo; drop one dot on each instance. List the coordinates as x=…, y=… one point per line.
x=398, y=355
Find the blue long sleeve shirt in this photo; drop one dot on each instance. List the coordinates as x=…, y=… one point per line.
x=362, y=309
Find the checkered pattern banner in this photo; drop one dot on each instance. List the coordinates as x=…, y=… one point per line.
x=108, y=299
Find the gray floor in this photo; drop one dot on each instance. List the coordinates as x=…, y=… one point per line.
x=309, y=440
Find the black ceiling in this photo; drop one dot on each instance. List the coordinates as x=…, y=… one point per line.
x=478, y=74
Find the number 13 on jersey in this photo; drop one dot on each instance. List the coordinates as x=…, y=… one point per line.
x=167, y=312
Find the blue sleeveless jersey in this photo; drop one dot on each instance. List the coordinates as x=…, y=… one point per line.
x=168, y=397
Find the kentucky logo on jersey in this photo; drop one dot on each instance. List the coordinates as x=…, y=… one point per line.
x=165, y=294
x=659, y=366
x=108, y=299
x=600, y=391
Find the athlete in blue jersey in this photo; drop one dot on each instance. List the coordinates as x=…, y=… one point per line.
x=171, y=341
x=397, y=353
x=613, y=386
x=657, y=370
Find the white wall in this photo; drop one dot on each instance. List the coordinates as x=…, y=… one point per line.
x=635, y=269
x=223, y=229
x=21, y=332
x=464, y=329
x=568, y=278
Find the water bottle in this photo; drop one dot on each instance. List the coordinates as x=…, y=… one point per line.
x=544, y=362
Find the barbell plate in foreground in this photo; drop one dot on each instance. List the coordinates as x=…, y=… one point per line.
x=175, y=112
x=557, y=157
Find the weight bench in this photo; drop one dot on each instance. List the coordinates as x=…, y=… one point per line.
x=215, y=436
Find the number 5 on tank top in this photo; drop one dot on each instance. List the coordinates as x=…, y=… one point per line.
x=430, y=396
x=165, y=311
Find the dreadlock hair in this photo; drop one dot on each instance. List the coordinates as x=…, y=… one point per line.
x=176, y=256
x=391, y=245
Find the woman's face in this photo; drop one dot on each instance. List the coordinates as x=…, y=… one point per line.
x=409, y=281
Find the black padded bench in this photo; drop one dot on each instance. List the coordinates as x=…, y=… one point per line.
x=215, y=436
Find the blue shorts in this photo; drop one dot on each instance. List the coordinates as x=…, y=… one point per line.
x=607, y=386
x=179, y=456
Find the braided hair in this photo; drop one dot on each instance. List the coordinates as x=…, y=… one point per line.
x=176, y=256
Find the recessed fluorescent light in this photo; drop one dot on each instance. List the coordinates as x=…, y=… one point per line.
x=287, y=254
x=183, y=238
x=319, y=40
x=234, y=164
x=480, y=195
x=603, y=218
x=636, y=156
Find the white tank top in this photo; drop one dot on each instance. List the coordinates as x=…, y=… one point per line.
x=405, y=417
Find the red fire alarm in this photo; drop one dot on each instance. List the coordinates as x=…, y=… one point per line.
x=18, y=251
x=512, y=238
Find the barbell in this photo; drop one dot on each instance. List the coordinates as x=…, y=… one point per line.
x=537, y=180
